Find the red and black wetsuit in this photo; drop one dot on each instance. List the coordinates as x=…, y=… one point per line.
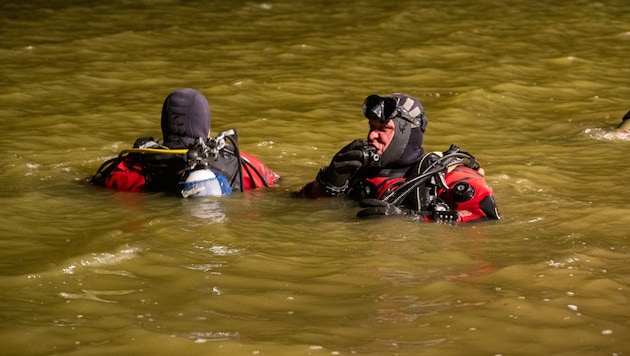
x=468, y=193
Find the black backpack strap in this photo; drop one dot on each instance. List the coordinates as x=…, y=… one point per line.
x=105, y=170
x=421, y=189
x=249, y=168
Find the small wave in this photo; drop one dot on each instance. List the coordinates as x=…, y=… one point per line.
x=218, y=250
x=95, y=295
x=607, y=134
x=201, y=337
x=103, y=259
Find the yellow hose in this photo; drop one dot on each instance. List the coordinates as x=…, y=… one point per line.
x=154, y=151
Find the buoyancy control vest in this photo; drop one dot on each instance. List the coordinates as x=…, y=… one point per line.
x=468, y=194
x=151, y=167
x=446, y=181
x=140, y=170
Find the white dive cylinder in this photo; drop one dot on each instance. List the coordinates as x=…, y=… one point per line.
x=204, y=183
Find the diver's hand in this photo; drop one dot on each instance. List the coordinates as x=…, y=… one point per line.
x=333, y=180
x=346, y=162
x=378, y=208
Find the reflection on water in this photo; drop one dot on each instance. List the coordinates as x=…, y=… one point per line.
x=203, y=211
x=533, y=90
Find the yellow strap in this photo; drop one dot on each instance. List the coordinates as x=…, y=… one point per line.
x=153, y=151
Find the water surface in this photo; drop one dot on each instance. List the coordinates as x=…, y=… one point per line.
x=533, y=90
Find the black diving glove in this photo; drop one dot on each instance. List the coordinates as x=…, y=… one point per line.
x=378, y=208
x=333, y=180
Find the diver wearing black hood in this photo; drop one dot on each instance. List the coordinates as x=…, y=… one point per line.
x=410, y=123
x=392, y=157
x=163, y=166
x=185, y=117
x=363, y=168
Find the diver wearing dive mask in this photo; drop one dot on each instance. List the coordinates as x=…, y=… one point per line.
x=397, y=124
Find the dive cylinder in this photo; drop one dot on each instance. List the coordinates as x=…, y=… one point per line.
x=204, y=183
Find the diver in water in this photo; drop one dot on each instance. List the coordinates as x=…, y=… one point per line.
x=186, y=162
x=391, y=174
x=624, y=126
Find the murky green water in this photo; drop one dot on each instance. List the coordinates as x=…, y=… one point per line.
x=532, y=89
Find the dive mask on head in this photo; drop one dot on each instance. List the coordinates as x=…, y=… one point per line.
x=409, y=121
x=384, y=109
x=379, y=108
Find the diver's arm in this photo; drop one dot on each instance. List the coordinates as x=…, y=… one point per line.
x=334, y=179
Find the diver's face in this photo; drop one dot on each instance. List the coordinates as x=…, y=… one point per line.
x=381, y=135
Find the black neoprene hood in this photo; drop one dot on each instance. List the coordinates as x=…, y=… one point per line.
x=406, y=145
x=185, y=117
